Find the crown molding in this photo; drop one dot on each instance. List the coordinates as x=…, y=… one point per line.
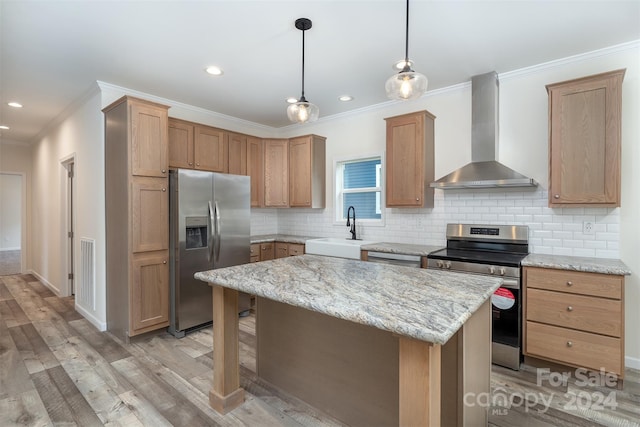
x=634, y=44
x=171, y=103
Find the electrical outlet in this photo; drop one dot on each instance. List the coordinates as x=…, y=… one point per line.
x=587, y=227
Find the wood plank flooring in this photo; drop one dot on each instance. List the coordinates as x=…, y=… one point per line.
x=57, y=369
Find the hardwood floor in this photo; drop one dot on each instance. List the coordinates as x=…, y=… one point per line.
x=57, y=369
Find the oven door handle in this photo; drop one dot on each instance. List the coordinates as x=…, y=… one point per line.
x=510, y=284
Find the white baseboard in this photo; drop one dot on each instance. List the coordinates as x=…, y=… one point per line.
x=45, y=282
x=632, y=362
x=101, y=326
x=17, y=248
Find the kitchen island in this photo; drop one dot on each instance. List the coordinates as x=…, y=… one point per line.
x=365, y=342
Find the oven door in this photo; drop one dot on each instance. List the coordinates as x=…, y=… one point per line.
x=506, y=308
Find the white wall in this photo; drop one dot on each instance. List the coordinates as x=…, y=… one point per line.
x=15, y=158
x=79, y=135
x=523, y=147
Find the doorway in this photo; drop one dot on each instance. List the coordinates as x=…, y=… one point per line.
x=68, y=201
x=11, y=223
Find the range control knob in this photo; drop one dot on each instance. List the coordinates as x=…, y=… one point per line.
x=447, y=265
x=439, y=263
x=492, y=270
x=502, y=271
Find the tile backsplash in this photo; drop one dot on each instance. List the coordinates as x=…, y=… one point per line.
x=557, y=231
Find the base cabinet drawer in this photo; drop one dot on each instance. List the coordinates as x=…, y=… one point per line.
x=296, y=249
x=594, y=284
x=589, y=314
x=574, y=348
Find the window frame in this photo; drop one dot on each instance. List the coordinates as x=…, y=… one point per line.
x=338, y=191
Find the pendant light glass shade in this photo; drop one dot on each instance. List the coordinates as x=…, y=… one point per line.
x=303, y=111
x=407, y=84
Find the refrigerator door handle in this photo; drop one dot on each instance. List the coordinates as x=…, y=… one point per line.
x=210, y=240
x=216, y=241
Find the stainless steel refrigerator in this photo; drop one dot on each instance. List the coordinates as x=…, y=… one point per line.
x=209, y=216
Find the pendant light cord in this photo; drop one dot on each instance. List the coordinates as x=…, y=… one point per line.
x=406, y=52
x=302, y=99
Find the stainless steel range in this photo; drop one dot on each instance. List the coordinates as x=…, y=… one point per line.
x=494, y=250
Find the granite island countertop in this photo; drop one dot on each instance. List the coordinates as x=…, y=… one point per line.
x=583, y=264
x=424, y=304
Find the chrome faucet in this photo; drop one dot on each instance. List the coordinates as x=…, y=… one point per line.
x=352, y=230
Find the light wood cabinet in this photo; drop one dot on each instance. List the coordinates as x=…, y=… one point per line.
x=254, y=252
x=210, y=147
x=255, y=169
x=267, y=251
x=410, y=160
x=181, y=144
x=575, y=318
x=307, y=171
x=194, y=146
x=237, y=153
x=276, y=173
x=137, y=237
x=584, y=141
x=150, y=291
x=284, y=250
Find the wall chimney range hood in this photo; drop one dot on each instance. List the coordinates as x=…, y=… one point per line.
x=484, y=171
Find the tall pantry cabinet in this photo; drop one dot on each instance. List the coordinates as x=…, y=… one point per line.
x=137, y=206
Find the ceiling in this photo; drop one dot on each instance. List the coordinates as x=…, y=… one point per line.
x=52, y=52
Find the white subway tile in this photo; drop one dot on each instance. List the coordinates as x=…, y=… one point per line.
x=562, y=251
x=584, y=252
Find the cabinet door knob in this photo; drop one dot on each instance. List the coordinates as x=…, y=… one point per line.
x=556, y=196
x=569, y=308
x=164, y=171
x=569, y=344
x=417, y=199
x=569, y=283
x=164, y=189
x=164, y=262
x=190, y=163
x=197, y=164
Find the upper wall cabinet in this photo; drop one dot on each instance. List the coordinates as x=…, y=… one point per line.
x=195, y=146
x=255, y=169
x=410, y=160
x=237, y=153
x=584, y=141
x=307, y=171
x=276, y=173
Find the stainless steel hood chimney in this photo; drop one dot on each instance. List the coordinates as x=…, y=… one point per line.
x=484, y=171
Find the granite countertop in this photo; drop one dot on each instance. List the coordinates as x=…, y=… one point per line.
x=287, y=238
x=428, y=305
x=588, y=265
x=400, y=248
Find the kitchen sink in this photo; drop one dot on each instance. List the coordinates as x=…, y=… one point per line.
x=336, y=247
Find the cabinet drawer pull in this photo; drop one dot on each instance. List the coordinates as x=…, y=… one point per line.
x=569, y=344
x=569, y=283
x=557, y=196
x=190, y=163
x=569, y=308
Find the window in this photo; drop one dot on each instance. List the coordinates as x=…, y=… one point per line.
x=359, y=184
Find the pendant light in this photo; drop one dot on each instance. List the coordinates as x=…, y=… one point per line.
x=303, y=111
x=407, y=84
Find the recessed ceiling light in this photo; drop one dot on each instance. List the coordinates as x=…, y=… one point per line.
x=400, y=64
x=292, y=100
x=214, y=70
x=345, y=98
x=4, y=127
x=14, y=104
